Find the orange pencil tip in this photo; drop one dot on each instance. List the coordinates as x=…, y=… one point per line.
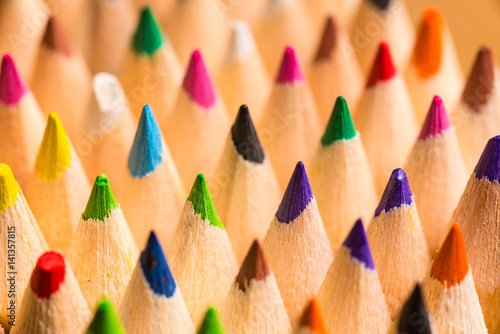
x=313, y=319
x=451, y=265
x=428, y=51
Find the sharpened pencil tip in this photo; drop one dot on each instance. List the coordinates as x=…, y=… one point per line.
x=289, y=71
x=254, y=267
x=9, y=189
x=381, y=4
x=48, y=274
x=436, y=120
x=383, y=67
x=147, y=38
x=357, y=243
x=396, y=193
x=340, y=125
x=197, y=82
x=55, y=38
x=328, y=40
x=12, y=87
x=211, y=323
x=428, y=51
x=414, y=317
x=312, y=319
x=105, y=320
x=488, y=165
x=101, y=201
x=245, y=137
x=479, y=87
x=202, y=202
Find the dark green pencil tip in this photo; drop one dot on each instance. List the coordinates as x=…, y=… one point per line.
x=148, y=37
x=340, y=125
x=202, y=202
x=101, y=201
x=211, y=323
x=105, y=320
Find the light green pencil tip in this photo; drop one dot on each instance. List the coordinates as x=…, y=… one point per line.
x=148, y=37
x=105, y=320
x=340, y=125
x=101, y=201
x=211, y=323
x=202, y=202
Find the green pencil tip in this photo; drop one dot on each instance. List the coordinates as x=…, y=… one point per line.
x=202, y=202
x=340, y=125
x=211, y=323
x=101, y=201
x=148, y=37
x=105, y=320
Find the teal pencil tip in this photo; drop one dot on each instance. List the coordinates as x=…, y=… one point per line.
x=211, y=323
x=340, y=125
x=202, y=202
x=101, y=201
x=148, y=37
x=105, y=320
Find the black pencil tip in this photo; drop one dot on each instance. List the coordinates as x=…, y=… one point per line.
x=245, y=138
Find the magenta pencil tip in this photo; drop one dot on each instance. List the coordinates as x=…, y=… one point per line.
x=289, y=71
x=12, y=88
x=436, y=120
x=197, y=82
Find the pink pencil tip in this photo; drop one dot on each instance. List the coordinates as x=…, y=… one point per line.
x=289, y=70
x=383, y=68
x=197, y=82
x=12, y=87
x=436, y=120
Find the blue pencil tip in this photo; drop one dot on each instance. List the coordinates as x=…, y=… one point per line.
x=488, y=165
x=147, y=150
x=297, y=196
x=396, y=193
x=155, y=268
x=357, y=243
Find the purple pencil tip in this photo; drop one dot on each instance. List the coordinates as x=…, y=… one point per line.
x=436, y=120
x=488, y=165
x=357, y=243
x=297, y=196
x=396, y=193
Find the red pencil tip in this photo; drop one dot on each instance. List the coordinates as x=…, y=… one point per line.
x=383, y=68
x=451, y=265
x=289, y=71
x=197, y=82
x=48, y=274
x=55, y=37
x=12, y=87
x=436, y=120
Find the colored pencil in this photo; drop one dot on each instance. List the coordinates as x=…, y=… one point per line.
x=449, y=291
x=108, y=129
x=434, y=67
x=58, y=187
x=151, y=72
x=414, y=316
x=341, y=177
x=105, y=320
x=21, y=235
x=200, y=248
x=253, y=294
x=244, y=186
x=291, y=24
x=476, y=213
x=343, y=11
x=385, y=104
x=62, y=80
x=103, y=251
x=21, y=122
x=296, y=242
x=198, y=106
x=242, y=77
x=153, y=302
x=436, y=174
x=198, y=24
x=115, y=22
x=289, y=126
x=378, y=21
x=334, y=71
x=53, y=302
x=351, y=296
x=312, y=321
x=398, y=243
x=211, y=323
x=477, y=115
x=151, y=191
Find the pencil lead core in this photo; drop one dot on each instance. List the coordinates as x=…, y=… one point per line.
x=254, y=267
x=328, y=40
x=147, y=38
x=211, y=323
x=105, y=320
x=428, y=51
x=381, y=4
x=101, y=201
x=9, y=189
x=242, y=44
x=312, y=318
x=396, y=193
x=48, y=274
x=488, y=165
x=481, y=81
x=383, y=67
x=357, y=243
x=436, y=120
x=202, y=202
x=289, y=71
x=55, y=37
x=245, y=137
x=414, y=318
x=197, y=82
x=340, y=125
x=12, y=87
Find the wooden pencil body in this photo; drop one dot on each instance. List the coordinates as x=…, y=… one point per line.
x=258, y=309
x=344, y=187
x=246, y=195
x=351, y=298
x=300, y=246
x=437, y=178
x=246, y=10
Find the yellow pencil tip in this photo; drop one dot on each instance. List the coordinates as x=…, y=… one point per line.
x=54, y=155
x=9, y=189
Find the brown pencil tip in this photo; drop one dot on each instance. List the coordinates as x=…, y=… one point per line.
x=479, y=86
x=328, y=40
x=312, y=318
x=55, y=37
x=254, y=267
x=451, y=265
